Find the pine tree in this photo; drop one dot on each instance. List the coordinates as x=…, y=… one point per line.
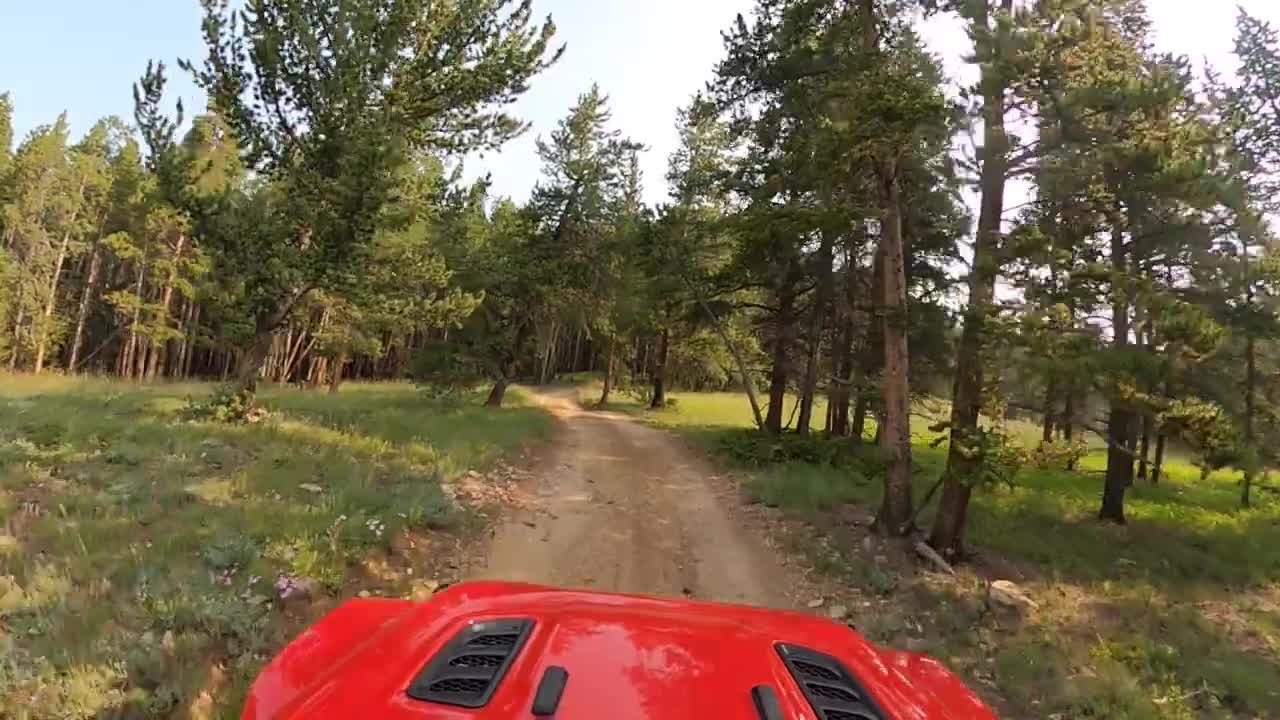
x=287, y=74
x=32, y=230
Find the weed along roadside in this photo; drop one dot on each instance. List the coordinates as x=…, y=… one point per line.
x=1176, y=614
x=150, y=565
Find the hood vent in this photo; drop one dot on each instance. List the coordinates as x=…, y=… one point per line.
x=471, y=666
x=828, y=686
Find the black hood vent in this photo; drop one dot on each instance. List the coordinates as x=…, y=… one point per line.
x=469, y=669
x=828, y=686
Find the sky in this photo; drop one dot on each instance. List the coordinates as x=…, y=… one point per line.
x=650, y=56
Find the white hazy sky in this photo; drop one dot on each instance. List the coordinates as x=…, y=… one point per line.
x=648, y=55
x=651, y=56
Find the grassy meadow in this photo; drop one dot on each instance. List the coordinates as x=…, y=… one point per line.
x=150, y=564
x=1176, y=615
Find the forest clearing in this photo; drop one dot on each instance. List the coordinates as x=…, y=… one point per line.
x=153, y=562
x=971, y=341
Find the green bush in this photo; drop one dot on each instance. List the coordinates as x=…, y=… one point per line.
x=808, y=487
x=227, y=404
x=1058, y=454
x=226, y=553
x=756, y=449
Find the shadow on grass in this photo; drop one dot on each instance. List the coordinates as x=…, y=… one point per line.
x=1121, y=631
x=1182, y=537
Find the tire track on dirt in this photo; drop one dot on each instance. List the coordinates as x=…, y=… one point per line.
x=624, y=507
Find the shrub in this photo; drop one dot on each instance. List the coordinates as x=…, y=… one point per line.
x=1058, y=454
x=757, y=449
x=227, y=404
x=234, y=551
x=804, y=486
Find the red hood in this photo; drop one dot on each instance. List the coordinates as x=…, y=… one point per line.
x=628, y=658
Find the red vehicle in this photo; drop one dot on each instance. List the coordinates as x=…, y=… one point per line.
x=499, y=651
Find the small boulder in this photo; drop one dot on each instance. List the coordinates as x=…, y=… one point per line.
x=816, y=603
x=838, y=612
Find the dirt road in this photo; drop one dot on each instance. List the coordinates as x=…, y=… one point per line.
x=624, y=507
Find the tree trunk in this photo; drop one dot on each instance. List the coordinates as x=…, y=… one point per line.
x=1246, y=483
x=335, y=379
x=1069, y=420
x=860, y=409
x=872, y=360
x=1157, y=465
x=166, y=298
x=296, y=362
x=288, y=350
x=1050, y=398
x=318, y=370
x=506, y=369
x=1144, y=447
x=497, y=393
x=177, y=368
x=548, y=355
x=781, y=371
x=131, y=347
x=640, y=365
x=42, y=332
x=249, y=365
x=193, y=331
x=577, y=348
x=660, y=371
x=156, y=358
x=17, y=329
x=140, y=361
x=947, y=535
x=1251, y=385
x=1120, y=418
x=1251, y=371
x=817, y=318
x=839, y=397
x=1119, y=464
x=86, y=301
x=249, y=368
x=608, y=377
x=895, y=439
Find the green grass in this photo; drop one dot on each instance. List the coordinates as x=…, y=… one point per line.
x=1176, y=615
x=139, y=551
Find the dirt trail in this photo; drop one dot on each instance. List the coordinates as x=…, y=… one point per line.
x=624, y=507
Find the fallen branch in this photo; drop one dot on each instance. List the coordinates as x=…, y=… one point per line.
x=924, y=551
